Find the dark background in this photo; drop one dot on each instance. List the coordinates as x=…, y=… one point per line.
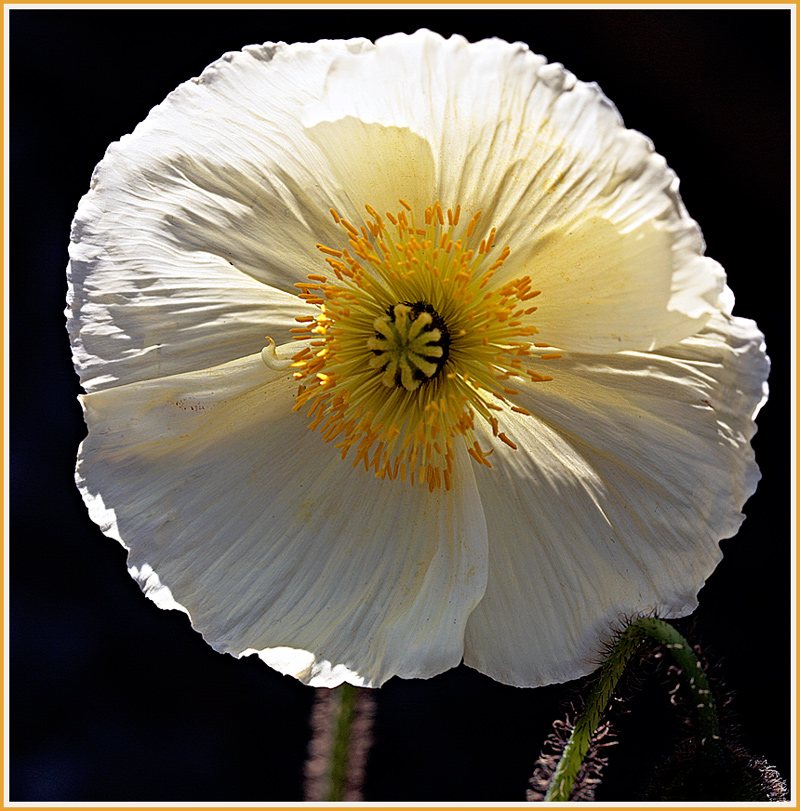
x=113, y=699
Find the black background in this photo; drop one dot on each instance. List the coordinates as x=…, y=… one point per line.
x=115, y=700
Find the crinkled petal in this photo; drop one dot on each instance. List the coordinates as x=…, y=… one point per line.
x=218, y=193
x=633, y=468
x=587, y=207
x=235, y=512
x=127, y=326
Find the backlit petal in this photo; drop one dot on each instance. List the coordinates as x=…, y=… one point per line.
x=216, y=194
x=233, y=511
x=588, y=208
x=375, y=164
x=633, y=469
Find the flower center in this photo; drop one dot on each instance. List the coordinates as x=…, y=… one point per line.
x=412, y=343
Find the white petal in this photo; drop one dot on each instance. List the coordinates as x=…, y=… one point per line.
x=587, y=207
x=127, y=325
x=375, y=164
x=606, y=289
x=273, y=544
x=217, y=193
x=632, y=470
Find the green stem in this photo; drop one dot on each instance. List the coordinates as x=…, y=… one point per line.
x=578, y=744
x=340, y=754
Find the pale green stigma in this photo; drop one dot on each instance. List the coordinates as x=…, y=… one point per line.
x=411, y=345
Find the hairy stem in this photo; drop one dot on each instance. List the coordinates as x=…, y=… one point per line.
x=631, y=638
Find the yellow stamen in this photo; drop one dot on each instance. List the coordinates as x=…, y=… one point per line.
x=413, y=341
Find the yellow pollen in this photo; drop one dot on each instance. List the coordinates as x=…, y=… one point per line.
x=418, y=331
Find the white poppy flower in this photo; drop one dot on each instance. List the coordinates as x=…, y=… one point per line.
x=402, y=353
